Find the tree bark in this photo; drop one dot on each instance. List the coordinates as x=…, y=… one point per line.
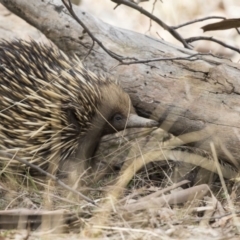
x=182, y=95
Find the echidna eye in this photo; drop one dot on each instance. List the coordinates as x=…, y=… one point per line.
x=117, y=117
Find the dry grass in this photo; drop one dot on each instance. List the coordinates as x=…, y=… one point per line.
x=151, y=206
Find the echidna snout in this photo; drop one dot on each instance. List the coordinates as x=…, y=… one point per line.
x=51, y=107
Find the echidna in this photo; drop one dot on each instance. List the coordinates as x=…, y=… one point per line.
x=52, y=107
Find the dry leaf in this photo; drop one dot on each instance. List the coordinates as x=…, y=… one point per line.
x=222, y=25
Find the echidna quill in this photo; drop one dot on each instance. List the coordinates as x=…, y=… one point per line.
x=52, y=107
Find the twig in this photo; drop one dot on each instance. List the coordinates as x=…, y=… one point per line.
x=150, y=23
x=112, y=54
x=193, y=39
x=188, y=58
x=197, y=20
x=171, y=30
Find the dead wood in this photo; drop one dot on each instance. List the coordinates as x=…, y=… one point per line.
x=181, y=196
x=183, y=95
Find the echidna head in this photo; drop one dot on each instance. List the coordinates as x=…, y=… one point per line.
x=113, y=112
x=102, y=107
x=116, y=112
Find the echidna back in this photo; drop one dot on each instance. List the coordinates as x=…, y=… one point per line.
x=39, y=88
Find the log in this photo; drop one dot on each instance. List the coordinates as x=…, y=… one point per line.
x=182, y=95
